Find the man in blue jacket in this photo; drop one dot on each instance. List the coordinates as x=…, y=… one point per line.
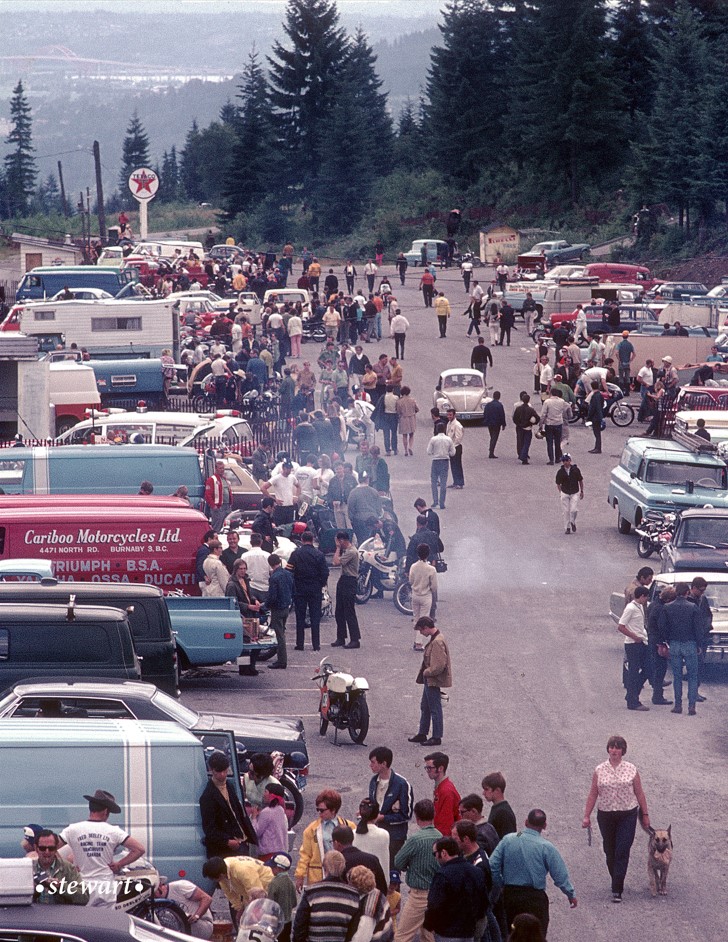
x=457, y=900
x=279, y=601
x=494, y=419
x=394, y=795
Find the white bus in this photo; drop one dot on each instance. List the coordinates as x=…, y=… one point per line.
x=104, y=328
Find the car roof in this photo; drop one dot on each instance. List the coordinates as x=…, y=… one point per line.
x=669, y=449
x=96, y=924
x=460, y=370
x=89, y=589
x=710, y=512
x=682, y=575
x=10, y=611
x=192, y=419
x=49, y=686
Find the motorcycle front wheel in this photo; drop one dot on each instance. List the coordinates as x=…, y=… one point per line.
x=164, y=913
x=645, y=547
x=622, y=414
x=403, y=597
x=323, y=726
x=363, y=587
x=359, y=720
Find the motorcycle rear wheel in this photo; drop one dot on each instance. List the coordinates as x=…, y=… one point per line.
x=359, y=720
x=363, y=588
x=164, y=913
x=293, y=799
x=403, y=597
x=645, y=547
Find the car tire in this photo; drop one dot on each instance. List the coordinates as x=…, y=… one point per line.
x=624, y=526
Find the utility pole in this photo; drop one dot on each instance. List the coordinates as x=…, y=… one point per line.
x=82, y=213
x=100, y=194
x=64, y=204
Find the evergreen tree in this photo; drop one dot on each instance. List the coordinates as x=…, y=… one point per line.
x=204, y=159
x=632, y=52
x=169, y=177
x=567, y=102
x=675, y=161
x=304, y=77
x=190, y=173
x=135, y=153
x=20, y=170
x=409, y=143
x=228, y=113
x=252, y=168
x=368, y=103
x=463, y=86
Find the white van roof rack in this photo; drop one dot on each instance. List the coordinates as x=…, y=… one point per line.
x=694, y=443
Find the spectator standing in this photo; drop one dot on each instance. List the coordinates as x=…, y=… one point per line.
x=218, y=496
x=570, y=485
x=422, y=577
x=427, y=287
x=399, y=326
x=417, y=859
x=317, y=839
x=215, y=572
x=632, y=626
x=481, y=357
x=457, y=899
x=445, y=796
x=329, y=909
x=442, y=310
x=310, y=576
x=466, y=269
x=680, y=629
x=441, y=449
x=347, y=557
x=369, y=837
x=525, y=418
x=595, y=415
x=279, y=601
x=407, y=410
x=501, y=814
x=350, y=275
x=435, y=674
x=494, y=419
x=271, y=822
x=455, y=432
x=507, y=320
x=370, y=270
x=282, y=890
x=394, y=796
x=552, y=422
x=401, y=265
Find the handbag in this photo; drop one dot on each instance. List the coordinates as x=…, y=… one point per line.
x=663, y=649
x=440, y=564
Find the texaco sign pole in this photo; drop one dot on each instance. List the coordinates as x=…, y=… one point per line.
x=143, y=184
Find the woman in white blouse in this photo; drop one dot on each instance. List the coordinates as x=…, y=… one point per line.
x=370, y=838
x=617, y=792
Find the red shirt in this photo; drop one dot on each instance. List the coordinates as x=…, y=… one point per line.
x=447, y=804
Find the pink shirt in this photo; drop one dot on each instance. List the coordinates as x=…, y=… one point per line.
x=616, y=786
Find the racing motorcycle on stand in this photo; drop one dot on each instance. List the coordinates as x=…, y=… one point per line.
x=654, y=532
x=342, y=702
x=376, y=571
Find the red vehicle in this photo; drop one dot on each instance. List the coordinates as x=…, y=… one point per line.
x=145, y=541
x=617, y=273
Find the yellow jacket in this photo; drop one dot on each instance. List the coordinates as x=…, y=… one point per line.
x=442, y=307
x=243, y=875
x=312, y=851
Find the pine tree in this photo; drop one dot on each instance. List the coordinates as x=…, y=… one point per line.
x=20, y=170
x=228, y=113
x=369, y=103
x=169, y=177
x=253, y=162
x=462, y=88
x=632, y=52
x=567, y=101
x=205, y=156
x=675, y=162
x=304, y=77
x=409, y=144
x=190, y=173
x=135, y=153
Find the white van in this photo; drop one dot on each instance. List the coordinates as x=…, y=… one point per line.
x=168, y=248
x=115, y=426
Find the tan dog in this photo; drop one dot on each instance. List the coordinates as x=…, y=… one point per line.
x=659, y=858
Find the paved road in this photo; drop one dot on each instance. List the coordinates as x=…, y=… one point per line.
x=536, y=663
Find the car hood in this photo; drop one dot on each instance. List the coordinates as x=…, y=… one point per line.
x=464, y=400
x=697, y=557
x=288, y=729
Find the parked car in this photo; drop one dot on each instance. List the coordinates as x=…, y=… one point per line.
x=279, y=297
x=117, y=426
x=716, y=595
x=675, y=290
x=219, y=304
x=556, y=252
x=83, y=294
x=461, y=389
x=96, y=699
x=436, y=249
x=700, y=541
x=664, y=475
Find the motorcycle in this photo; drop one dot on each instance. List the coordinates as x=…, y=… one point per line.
x=342, y=702
x=135, y=894
x=376, y=570
x=621, y=413
x=654, y=532
x=314, y=330
x=359, y=422
x=262, y=922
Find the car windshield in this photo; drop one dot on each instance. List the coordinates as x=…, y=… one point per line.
x=175, y=710
x=717, y=595
x=704, y=531
x=462, y=381
x=675, y=472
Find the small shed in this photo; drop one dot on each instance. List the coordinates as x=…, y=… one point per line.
x=499, y=240
x=35, y=251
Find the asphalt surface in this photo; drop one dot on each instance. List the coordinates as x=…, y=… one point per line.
x=536, y=661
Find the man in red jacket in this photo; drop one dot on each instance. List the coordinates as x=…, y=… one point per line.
x=446, y=797
x=218, y=497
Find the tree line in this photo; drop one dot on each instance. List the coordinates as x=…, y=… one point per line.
x=549, y=112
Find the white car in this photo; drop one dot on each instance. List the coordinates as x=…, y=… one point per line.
x=218, y=303
x=115, y=426
x=83, y=294
x=279, y=296
x=464, y=391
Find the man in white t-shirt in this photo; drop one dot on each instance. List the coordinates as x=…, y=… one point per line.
x=632, y=626
x=305, y=476
x=256, y=559
x=194, y=901
x=286, y=491
x=94, y=843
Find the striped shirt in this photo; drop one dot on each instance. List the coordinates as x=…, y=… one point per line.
x=417, y=859
x=325, y=912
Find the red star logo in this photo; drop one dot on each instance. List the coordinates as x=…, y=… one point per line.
x=143, y=181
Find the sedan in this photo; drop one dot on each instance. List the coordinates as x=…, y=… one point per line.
x=79, y=923
x=83, y=294
x=463, y=390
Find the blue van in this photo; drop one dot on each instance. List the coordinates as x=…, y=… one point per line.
x=41, y=283
x=125, y=382
x=101, y=469
x=156, y=770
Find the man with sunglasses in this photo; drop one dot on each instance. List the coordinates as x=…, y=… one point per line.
x=56, y=880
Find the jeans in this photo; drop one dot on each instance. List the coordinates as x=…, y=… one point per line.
x=379, y=325
x=617, y=829
x=370, y=283
x=427, y=293
x=345, y=612
x=456, y=466
x=390, y=432
x=438, y=480
x=308, y=599
x=553, y=442
x=686, y=651
x=431, y=711
x=597, y=430
x=278, y=617
x=350, y=284
x=657, y=667
x=474, y=326
x=636, y=657
x=523, y=443
x=399, y=346
x=505, y=334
